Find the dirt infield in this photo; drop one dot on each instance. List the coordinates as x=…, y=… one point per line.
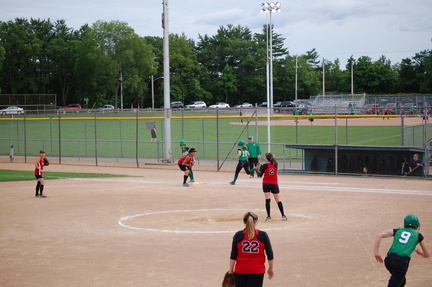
x=148, y=230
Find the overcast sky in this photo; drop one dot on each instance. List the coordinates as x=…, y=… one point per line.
x=397, y=29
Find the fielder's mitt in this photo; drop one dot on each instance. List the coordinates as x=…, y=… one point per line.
x=258, y=166
x=228, y=280
x=46, y=162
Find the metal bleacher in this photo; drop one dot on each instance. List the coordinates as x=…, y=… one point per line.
x=327, y=104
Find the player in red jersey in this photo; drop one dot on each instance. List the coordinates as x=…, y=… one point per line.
x=186, y=163
x=270, y=184
x=249, y=249
x=38, y=172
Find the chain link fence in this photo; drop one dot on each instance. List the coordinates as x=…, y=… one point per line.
x=124, y=137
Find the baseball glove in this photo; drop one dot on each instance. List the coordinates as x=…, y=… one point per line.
x=258, y=166
x=228, y=280
x=46, y=162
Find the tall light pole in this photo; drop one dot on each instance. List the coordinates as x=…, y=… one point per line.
x=352, y=77
x=323, y=77
x=152, y=79
x=121, y=90
x=269, y=7
x=166, y=71
x=296, y=78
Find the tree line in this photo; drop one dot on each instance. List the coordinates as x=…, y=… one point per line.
x=100, y=61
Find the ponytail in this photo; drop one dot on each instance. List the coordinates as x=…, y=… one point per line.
x=250, y=220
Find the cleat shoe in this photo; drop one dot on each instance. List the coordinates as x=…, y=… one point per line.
x=42, y=195
x=268, y=218
x=191, y=180
x=185, y=184
x=37, y=195
x=284, y=218
x=232, y=183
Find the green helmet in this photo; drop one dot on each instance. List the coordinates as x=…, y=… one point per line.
x=241, y=143
x=182, y=142
x=411, y=220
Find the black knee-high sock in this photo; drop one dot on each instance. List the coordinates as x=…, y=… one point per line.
x=280, y=205
x=41, y=189
x=37, y=187
x=185, y=177
x=267, y=205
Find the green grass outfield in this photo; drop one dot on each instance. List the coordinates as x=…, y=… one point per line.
x=116, y=136
x=19, y=175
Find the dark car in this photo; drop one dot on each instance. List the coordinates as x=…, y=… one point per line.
x=371, y=109
x=176, y=105
x=285, y=106
x=72, y=108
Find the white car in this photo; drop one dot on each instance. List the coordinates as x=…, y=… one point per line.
x=220, y=105
x=244, y=105
x=12, y=111
x=197, y=105
x=107, y=108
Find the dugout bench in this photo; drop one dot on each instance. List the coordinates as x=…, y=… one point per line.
x=359, y=160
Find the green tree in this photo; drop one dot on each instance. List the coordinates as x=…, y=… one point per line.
x=407, y=77
x=2, y=58
x=62, y=52
x=227, y=85
x=119, y=57
x=18, y=74
x=184, y=69
x=235, y=47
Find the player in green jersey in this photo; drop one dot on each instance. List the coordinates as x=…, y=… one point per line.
x=242, y=156
x=404, y=243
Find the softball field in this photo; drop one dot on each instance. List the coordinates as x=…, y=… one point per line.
x=148, y=230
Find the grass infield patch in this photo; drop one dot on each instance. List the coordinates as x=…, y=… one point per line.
x=21, y=175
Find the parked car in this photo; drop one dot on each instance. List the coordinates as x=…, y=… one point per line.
x=197, y=105
x=106, y=108
x=73, y=108
x=244, y=105
x=176, y=105
x=371, y=109
x=220, y=105
x=263, y=105
x=12, y=110
x=280, y=107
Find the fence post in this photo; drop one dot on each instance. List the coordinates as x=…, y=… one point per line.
x=136, y=141
x=217, y=139
x=59, y=137
x=25, y=138
x=402, y=130
x=95, y=131
x=11, y=153
x=336, y=142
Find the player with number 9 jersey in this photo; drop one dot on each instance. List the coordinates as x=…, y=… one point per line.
x=404, y=244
